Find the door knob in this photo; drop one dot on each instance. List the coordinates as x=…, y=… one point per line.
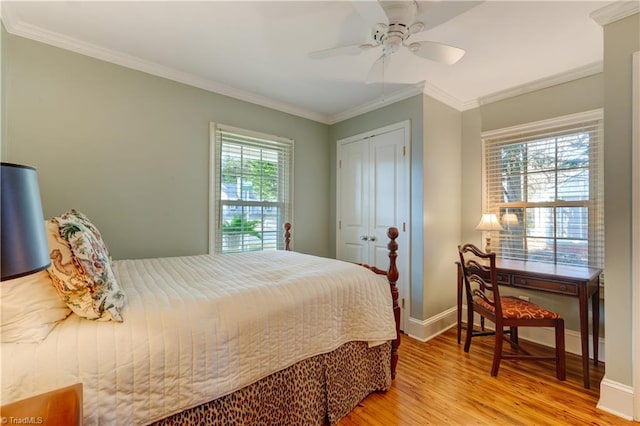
x=373, y=238
x=364, y=238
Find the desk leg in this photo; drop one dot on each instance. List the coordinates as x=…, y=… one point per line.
x=584, y=333
x=595, y=309
x=459, y=302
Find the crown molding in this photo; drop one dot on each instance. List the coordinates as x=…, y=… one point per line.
x=389, y=99
x=450, y=100
x=7, y=19
x=19, y=28
x=22, y=29
x=422, y=87
x=615, y=11
x=474, y=103
x=13, y=25
x=442, y=96
x=543, y=83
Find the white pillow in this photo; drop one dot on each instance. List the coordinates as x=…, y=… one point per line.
x=31, y=308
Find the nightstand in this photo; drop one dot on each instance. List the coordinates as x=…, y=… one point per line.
x=59, y=407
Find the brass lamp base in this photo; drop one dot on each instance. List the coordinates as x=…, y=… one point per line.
x=487, y=245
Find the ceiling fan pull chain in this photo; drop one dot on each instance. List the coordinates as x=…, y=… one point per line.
x=384, y=59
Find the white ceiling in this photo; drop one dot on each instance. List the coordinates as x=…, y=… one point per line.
x=258, y=50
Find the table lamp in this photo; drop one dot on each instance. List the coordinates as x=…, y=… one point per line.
x=24, y=248
x=509, y=220
x=488, y=222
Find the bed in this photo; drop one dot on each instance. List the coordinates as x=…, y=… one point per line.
x=250, y=338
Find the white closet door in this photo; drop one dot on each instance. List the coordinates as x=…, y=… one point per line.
x=386, y=192
x=353, y=199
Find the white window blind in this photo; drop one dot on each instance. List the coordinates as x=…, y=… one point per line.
x=544, y=183
x=252, y=189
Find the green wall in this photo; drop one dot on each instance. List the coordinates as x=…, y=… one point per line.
x=621, y=40
x=442, y=202
x=471, y=159
x=579, y=95
x=131, y=150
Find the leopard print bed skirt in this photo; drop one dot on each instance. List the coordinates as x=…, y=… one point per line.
x=316, y=391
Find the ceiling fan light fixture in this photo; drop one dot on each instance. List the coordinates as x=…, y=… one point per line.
x=392, y=43
x=416, y=27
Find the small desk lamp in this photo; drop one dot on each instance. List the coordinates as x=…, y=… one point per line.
x=489, y=222
x=24, y=248
x=509, y=219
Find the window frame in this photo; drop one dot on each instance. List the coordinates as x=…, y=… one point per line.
x=538, y=131
x=216, y=203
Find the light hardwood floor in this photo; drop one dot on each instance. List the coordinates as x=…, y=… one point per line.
x=437, y=383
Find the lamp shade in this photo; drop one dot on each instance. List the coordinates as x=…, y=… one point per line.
x=509, y=219
x=24, y=241
x=489, y=222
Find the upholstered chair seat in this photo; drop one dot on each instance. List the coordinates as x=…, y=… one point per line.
x=515, y=308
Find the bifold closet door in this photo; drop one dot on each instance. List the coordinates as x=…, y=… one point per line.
x=353, y=202
x=371, y=196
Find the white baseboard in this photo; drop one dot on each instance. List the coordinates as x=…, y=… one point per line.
x=424, y=330
x=616, y=398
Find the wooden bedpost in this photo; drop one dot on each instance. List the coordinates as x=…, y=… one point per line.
x=287, y=236
x=392, y=277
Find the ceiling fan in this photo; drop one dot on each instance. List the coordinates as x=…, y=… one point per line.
x=395, y=23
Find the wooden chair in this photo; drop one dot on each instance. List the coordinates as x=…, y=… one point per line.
x=483, y=297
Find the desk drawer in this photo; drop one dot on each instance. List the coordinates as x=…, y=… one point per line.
x=554, y=286
x=504, y=279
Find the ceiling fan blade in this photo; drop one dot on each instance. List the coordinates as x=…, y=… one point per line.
x=379, y=69
x=436, y=51
x=354, y=49
x=371, y=11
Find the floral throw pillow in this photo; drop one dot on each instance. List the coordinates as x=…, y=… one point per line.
x=81, y=269
x=79, y=217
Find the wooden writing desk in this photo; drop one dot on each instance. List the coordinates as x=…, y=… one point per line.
x=576, y=281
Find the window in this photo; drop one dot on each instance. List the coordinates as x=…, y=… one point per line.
x=252, y=189
x=544, y=182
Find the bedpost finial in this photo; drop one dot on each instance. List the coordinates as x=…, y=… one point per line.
x=287, y=236
x=392, y=246
x=392, y=233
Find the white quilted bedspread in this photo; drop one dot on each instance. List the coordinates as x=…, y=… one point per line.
x=199, y=327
